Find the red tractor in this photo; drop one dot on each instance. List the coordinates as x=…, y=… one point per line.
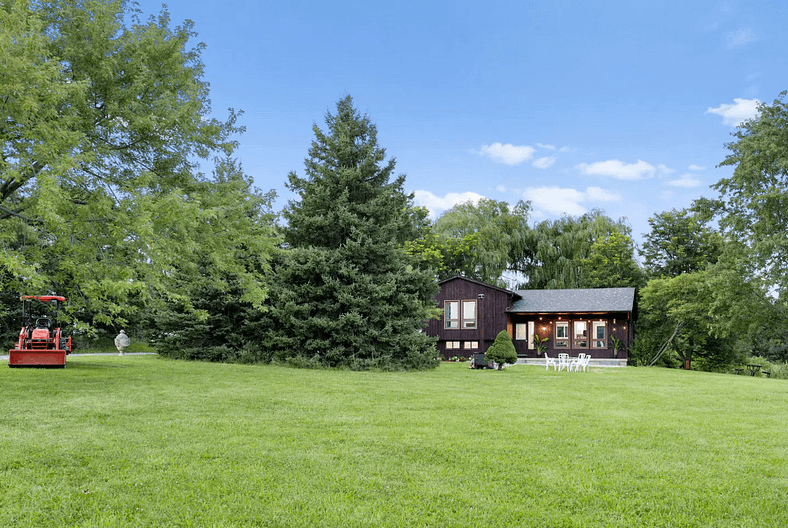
x=41, y=343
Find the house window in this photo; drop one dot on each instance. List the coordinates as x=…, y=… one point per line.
x=469, y=314
x=452, y=345
x=471, y=344
x=561, y=334
x=519, y=332
x=599, y=334
x=452, y=316
x=580, y=334
x=531, y=344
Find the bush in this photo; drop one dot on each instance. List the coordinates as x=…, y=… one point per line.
x=502, y=350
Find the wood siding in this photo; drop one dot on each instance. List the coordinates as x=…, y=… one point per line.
x=490, y=316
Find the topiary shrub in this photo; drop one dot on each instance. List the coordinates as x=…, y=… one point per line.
x=502, y=350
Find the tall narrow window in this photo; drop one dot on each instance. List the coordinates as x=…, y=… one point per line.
x=519, y=332
x=599, y=334
x=469, y=314
x=531, y=334
x=451, y=317
x=561, y=334
x=580, y=334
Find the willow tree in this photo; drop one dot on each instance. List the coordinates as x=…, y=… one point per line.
x=346, y=292
x=563, y=253
x=106, y=127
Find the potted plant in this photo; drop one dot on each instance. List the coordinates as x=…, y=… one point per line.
x=540, y=343
x=616, y=345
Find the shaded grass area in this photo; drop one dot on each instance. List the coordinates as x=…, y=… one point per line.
x=144, y=441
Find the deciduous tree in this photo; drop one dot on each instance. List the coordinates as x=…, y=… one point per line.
x=556, y=253
x=679, y=242
x=753, y=202
x=106, y=127
x=480, y=241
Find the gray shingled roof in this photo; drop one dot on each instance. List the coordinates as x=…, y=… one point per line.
x=590, y=300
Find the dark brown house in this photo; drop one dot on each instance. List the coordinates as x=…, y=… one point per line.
x=571, y=321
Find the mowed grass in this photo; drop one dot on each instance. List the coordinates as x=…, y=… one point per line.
x=144, y=441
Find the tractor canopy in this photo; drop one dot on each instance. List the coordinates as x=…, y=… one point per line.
x=43, y=298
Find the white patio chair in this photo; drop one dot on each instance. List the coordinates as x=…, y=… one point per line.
x=574, y=363
x=584, y=364
x=563, y=362
x=550, y=361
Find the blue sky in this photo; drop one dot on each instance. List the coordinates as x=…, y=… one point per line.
x=623, y=106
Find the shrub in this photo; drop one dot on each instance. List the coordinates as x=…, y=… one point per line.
x=502, y=350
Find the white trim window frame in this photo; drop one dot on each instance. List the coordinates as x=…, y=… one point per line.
x=468, y=315
x=599, y=334
x=580, y=334
x=451, y=315
x=561, y=334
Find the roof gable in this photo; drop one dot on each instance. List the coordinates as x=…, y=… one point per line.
x=580, y=300
x=480, y=283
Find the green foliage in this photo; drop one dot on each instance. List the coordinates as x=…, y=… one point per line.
x=683, y=303
x=347, y=293
x=106, y=125
x=502, y=350
x=479, y=241
x=753, y=202
x=540, y=343
x=562, y=253
x=611, y=264
x=679, y=242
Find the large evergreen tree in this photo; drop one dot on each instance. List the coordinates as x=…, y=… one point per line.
x=347, y=292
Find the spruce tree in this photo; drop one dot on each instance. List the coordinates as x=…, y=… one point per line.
x=347, y=293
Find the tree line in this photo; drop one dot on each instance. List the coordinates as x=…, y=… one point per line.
x=121, y=192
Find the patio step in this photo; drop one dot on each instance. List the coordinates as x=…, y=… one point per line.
x=600, y=362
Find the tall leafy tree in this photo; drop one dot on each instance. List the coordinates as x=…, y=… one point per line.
x=558, y=254
x=610, y=263
x=479, y=241
x=106, y=125
x=679, y=242
x=753, y=202
x=675, y=318
x=348, y=294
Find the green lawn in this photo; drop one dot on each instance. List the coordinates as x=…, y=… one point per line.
x=143, y=441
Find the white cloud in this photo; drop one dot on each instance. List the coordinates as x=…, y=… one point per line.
x=566, y=149
x=686, y=181
x=545, y=146
x=597, y=194
x=694, y=167
x=501, y=188
x=436, y=205
x=557, y=201
x=664, y=169
x=736, y=113
x=544, y=163
x=621, y=171
x=740, y=38
x=507, y=154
